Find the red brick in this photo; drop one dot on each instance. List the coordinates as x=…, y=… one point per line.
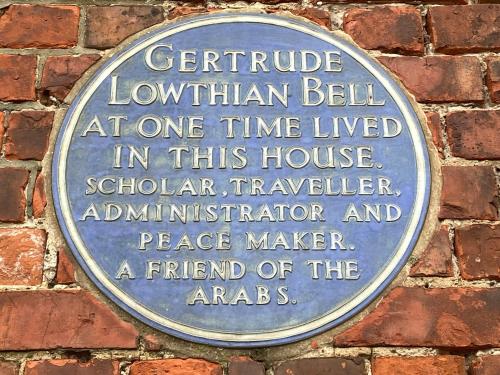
x=39, y=197
x=65, y=269
x=72, y=319
x=485, y=365
x=471, y=28
x=17, y=77
x=436, y=259
x=320, y=16
x=12, y=199
x=21, y=256
x=322, y=366
x=39, y=26
x=2, y=128
x=434, y=124
x=469, y=193
x=493, y=78
x=153, y=343
x=72, y=367
x=439, y=79
x=175, y=367
x=108, y=26
x=392, y=1
x=28, y=134
x=474, y=134
x=478, y=251
x=245, y=366
x=60, y=74
x=389, y=29
x=181, y=11
x=9, y=368
x=444, y=318
x=437, y=365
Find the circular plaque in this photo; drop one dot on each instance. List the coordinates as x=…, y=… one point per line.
x=241, y=179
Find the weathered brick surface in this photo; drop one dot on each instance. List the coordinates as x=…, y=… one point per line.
x=322, y=366
x=28, y=134
x=17, y=78
x=437, y=365
x=60, y=74
x=39, y=26
x=72, y=367
x=245, y=366
x=175, y=367
x=493, y=78
x=9, y=368
x=65, y=269
x=389, y=29
x=469, y=193
x=474, y=134
x=439, y=79
x=108, y=26
x=181, y=11
x=2, y=128
x=434, y=124
x=21, y=256
x=43, y=319
x=449, y=317
x=458, y=29
x=436, y=259
x=320, y=16
x=478, y=251
x=12, y=199
x=485, y=365
x=320, y=2
x=39, y=197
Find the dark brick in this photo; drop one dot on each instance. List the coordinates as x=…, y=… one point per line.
x=436, y=365
x=322, y=366
x=9, y=368
x=389, y=29
x=60, y=74
x=469, y=193
x=109, y=25
x=478, y=251
x=49, y=319
x=72, y=367
x=439, y=79
x=17, y=77
x=440, y=317
x=434, y=124
x=39, y=198
x=245, y=366
x=459, y=29
x=474, y=134
x=493, y=78
x=28, y=134
x=485, y=365
x=12, y=199
x=65, y=269
x=436, y=259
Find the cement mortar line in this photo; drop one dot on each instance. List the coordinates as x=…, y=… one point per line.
x=127, y=355
x=3, y=125
x=454, y=258
x=443, y=108
x=448, y=282
x=24, y=164
x=82, y=27
x=72, y=51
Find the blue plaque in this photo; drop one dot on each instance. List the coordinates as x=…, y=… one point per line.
x=241, y=179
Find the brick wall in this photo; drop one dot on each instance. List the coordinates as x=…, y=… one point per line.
x=443, y=318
